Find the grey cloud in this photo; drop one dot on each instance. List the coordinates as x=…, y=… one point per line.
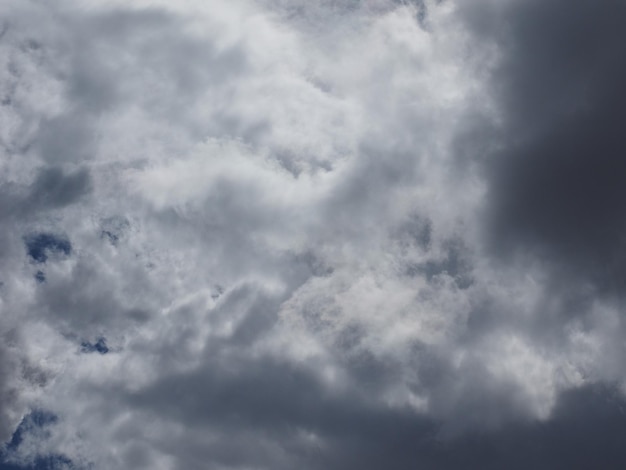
x=53, y=188
x=115, y=229
x=65, y=138
x=8, y=395
x=79, y=303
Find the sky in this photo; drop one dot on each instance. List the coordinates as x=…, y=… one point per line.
x=312, y=234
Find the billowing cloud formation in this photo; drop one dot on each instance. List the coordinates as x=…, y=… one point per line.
x=312, y=234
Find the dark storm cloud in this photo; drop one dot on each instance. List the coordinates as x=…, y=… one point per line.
x=273, y=400
x=249, y=402
x=586, y=430
x=557, y=184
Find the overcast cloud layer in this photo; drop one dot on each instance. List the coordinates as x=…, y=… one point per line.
x=312, y=234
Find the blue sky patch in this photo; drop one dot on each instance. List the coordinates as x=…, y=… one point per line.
x=100, y=346
x=34, y=422
x=40, y=245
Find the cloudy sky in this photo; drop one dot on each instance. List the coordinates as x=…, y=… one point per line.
x=312, y=234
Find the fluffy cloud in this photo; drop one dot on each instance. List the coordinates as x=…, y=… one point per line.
x=329, y=234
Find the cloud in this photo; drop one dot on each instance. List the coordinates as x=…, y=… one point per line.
x=326, y=234
x=557, y=182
